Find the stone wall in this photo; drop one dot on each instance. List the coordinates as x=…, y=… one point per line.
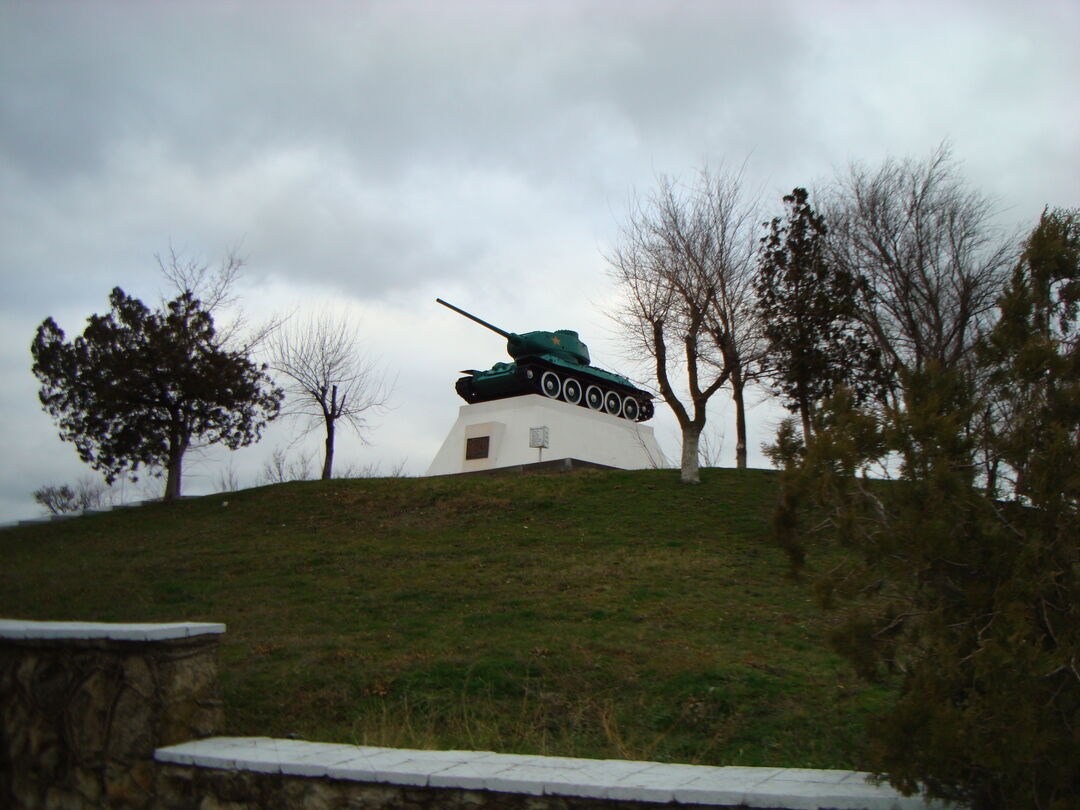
x=249, y=773
x=191, y=788
x=82, y=716
x=126, y=717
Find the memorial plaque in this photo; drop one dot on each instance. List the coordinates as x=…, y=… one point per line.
x=477, y=447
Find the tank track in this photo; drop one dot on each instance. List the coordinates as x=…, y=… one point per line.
x=556, y=382
x=588, y=392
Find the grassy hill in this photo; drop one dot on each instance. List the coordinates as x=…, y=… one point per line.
x=599, y=614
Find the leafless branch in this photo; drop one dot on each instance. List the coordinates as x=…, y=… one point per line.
x=683, y=263
x=927, y=246
x=330, y=379
x=215, y=288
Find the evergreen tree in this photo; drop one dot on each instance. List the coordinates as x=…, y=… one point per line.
x=971, y=595
x=807, y=309
x=139, y=387
x=1033, y=355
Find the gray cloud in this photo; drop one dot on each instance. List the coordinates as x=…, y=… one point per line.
x=381, y=153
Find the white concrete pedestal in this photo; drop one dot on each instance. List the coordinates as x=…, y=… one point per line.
x=573, y=432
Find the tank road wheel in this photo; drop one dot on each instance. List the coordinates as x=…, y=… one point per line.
x=613, y=403
x=594, y=397
x=571, y=391
x=550, y=384
x=630, y=409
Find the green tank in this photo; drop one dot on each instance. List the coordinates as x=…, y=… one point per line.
x=556, y=365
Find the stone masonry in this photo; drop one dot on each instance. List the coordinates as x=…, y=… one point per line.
x=186, y=788
x=128, y=717
x=263, y=773
x=82, y=716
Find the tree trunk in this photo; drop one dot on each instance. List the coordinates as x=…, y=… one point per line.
x=740, y=420
x=175, y=470
x=804, y=412
x=328, y=460
x=804, y=408
x=691, y=434
x=330, y=416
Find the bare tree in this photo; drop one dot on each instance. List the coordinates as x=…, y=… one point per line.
x=373, y=469
x=330, y=379
x=684, y=262
x=931, y=257
x=280, y=468
x=730, y=320
x=214, y=287
x=710, y=445
x=228, y=479
x=88, y=493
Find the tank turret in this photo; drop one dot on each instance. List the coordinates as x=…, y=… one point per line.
x=556, y=365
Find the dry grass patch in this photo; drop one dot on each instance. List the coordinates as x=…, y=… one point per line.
x=597, y=614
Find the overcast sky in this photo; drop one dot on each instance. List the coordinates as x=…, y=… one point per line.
x=370, y=156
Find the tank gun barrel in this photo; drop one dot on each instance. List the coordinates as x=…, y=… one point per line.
x=472, y=317
x=555, y=365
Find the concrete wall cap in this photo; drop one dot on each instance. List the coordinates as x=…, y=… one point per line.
x=805, y=789
x=33, y=630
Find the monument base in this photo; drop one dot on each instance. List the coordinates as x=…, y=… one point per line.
x=505, y=432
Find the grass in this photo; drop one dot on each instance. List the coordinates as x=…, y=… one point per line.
x=597, y=614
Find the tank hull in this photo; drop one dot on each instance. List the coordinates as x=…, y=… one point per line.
x=556, y=365
x=586, y=386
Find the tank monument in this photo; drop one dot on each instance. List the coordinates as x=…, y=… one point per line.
x=548, y=404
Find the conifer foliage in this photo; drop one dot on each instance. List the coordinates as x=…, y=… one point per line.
x=140, y=387
x=807, y=306
x=965, y=585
